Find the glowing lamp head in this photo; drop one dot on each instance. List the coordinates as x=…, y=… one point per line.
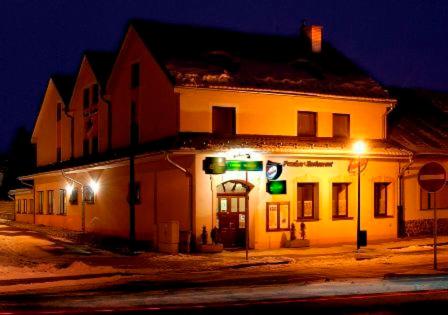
x=94, y=185
x=69, y=189
x=359, y=147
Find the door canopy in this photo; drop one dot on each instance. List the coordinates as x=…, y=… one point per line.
x=234, y=187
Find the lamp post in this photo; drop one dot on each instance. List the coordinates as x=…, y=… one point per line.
x=359, y=148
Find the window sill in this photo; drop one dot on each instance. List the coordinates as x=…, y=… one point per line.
x=342, y=218
x=278, y=230
x=306, y=219
x=383, y=216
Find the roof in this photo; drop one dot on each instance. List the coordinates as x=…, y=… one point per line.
x=419, y=122
x=206, y=57
x=64, y=84
x=204, y=142
x=101, y=63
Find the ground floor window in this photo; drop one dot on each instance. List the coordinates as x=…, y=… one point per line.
x=25, y=206
x=19, y=206
x=427, y=199
x=277, y=216
x=307, y=200
x=73, y=198
x=50, y=201
x=40, y=202
x=340, y=200
x=31, y=206
x=62, y=207
x=380, y=196
x=89, y=195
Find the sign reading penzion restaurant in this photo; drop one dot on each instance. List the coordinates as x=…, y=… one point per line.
x=307, y=164
x=432, y=177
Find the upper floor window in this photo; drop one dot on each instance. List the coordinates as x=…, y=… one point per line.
x=95, y=94
x=306, y=124
x=341, y=125
x=135, y=75
x=59, y=112
x=340, y=200
x=223, y=120
x=88, y=195
x=307, y=200
x=380, y=196
x=86, y=99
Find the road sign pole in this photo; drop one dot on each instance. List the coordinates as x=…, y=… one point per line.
x=435, y=231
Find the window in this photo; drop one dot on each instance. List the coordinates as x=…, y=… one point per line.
x=25, y=206
x=427, y=199
x=73, y=198
x=340, y=200
x=40, y=200
x=85, y=147
x=31, y=206
x=95, y=94
x=341, y=125
x=95, y=145
x=135, y=75
x=277, y=216
x=380, y=192
x=59, y=112
x=306, y=124
x=86, y=100
x=223, y=120
x=19, y=206
x=89, y=195
x=50, y=201
x=307, y=200
x=62, y=208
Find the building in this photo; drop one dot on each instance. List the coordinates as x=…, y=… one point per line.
x=419, y=123
x=126, y=151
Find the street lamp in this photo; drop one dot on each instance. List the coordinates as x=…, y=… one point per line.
x=359, y=148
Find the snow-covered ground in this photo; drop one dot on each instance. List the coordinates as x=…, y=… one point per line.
x=32, y=261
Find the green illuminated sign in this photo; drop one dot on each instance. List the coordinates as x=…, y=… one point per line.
x=214, y=165
x=277, y=187
x=235, y=165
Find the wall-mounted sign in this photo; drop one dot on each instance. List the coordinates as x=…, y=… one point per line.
x=353, y=166
x=236, y=165
x=214, y=165
x=277, y=187
x=298, y=163
x=273, y=170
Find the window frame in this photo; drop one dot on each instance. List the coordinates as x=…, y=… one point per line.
x=314, y=114
x=31, y=203
x=40, y=200
x=347, y=136
x=135, y=75
x=337, y=215
x=19, y=206
x=278, y=204
x=88, y=189
x=63, y=210
x=376, y=205
x=315, y=199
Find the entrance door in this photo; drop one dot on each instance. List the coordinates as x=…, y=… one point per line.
x=232, y=219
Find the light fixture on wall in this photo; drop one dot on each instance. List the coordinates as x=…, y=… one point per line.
x=95, y=186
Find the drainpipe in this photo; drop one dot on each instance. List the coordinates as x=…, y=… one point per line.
x=83, y=203
x=401, y=227
x=388, y=111
x=190, y=184
x=72, y=131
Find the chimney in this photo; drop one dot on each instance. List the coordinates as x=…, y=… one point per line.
x=313, y=33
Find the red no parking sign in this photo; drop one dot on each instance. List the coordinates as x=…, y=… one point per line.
x=432, y=177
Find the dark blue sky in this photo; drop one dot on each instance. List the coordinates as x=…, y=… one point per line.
x=402, y=42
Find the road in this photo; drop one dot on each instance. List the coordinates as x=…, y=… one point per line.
x=401, y=295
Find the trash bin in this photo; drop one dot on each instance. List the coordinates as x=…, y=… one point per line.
x=184, y=241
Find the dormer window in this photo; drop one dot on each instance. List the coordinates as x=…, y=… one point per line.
x=223, y=120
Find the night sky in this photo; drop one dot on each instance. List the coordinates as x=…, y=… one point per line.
x=401, y=43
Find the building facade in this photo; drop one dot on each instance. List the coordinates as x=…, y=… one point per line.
x=125, y=152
